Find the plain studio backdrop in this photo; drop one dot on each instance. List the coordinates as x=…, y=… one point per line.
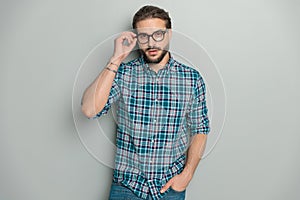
x=254, y=44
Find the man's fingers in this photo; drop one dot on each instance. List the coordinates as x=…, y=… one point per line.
x=130, y=40
x=133, y=42
x=132, y=34
x=126, y=39
x=168, y=184
x=128, y=34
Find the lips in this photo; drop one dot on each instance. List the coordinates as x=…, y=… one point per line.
x=153, y=52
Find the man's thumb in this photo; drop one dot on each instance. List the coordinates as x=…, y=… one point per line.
x=168, y=184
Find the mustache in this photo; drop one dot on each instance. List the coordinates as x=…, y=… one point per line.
x=152, y=48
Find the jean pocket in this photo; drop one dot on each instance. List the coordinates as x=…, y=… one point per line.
x=171, y=189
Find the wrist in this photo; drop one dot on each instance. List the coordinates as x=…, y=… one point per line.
x=188, y=173
x=113, y=64
x=116, y=61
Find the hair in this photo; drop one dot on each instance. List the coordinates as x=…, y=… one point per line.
x=148, y=12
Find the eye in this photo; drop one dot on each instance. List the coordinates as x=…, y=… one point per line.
x=143, y=35
x=158, y=34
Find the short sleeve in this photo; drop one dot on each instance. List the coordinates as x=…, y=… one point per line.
x=114, y=93
x=197, y=114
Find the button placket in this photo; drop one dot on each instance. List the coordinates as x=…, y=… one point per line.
x=155, y=100
x=154, y=120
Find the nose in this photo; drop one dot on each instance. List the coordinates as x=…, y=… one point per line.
x=151, y=42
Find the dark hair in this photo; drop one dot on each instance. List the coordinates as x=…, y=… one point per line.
x=147, y=12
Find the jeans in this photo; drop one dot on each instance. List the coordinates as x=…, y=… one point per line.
x=120, y=192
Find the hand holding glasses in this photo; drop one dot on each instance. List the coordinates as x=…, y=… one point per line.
x=126, y=42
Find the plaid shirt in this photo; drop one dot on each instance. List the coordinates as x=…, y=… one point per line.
x=154, y=111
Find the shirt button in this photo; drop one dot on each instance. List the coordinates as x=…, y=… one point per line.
x=152, y=140
x=154, y=120
x=156, y=100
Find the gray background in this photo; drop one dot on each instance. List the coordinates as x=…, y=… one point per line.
x=255, y=45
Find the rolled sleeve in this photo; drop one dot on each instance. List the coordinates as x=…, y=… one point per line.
x=197, y=115
x=114, y=94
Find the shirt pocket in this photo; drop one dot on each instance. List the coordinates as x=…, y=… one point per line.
x=175, y=105
x=139, y=103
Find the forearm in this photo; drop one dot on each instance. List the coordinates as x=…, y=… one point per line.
x=96, y=95
x=194, y=154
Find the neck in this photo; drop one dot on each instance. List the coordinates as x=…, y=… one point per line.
x=157, y=66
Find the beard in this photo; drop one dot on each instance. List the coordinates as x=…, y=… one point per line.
x=157, y=60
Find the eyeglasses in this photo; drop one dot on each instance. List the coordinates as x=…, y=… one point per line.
x=157, y=36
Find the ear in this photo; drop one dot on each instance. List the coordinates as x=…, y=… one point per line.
x=170, y=34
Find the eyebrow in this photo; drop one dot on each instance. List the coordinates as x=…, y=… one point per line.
x=152, y=32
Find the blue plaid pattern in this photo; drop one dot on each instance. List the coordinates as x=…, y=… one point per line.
x=154, y=113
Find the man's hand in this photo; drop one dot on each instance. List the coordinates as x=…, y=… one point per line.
x=123, y=46
x=195, y=151
x=178, y=183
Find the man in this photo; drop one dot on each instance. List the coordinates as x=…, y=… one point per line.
x=157, y=98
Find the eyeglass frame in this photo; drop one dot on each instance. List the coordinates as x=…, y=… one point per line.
x=151, y=35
